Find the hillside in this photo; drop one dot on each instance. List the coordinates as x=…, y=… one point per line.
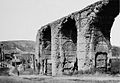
x=29, y=46
x=18, y=46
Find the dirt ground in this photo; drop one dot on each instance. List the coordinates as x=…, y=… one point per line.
x=50, y=79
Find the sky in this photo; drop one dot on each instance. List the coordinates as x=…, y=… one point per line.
x=20, y=19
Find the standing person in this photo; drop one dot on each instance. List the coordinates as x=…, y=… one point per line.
x=16, y=68
x=2, y=57
x=20, y=68
x=37, y=65
x=18, y=73
x=32, y=66
x=75, y=66
x=0, y=54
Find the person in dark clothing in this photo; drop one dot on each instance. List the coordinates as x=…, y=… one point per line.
x=38, y=65
x=75, y=67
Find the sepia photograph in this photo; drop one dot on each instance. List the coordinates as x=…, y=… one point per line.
x=59, y=41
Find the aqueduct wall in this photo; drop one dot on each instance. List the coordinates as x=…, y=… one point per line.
x=83, y=36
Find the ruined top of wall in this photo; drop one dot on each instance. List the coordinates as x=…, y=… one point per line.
x=103, y=8
x=102, y=12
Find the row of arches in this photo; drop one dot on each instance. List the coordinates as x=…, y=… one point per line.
x=84, y=35
x=67, y=39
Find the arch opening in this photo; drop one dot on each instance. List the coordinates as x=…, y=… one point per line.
x=69, y=43
x=115, y=32
x=47, y=36
x=69, y=30
x=46, y=67
x=101, y=61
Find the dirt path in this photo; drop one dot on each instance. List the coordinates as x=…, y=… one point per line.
x=50, y=79
x=100, y=78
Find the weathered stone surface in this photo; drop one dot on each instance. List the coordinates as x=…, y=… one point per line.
x=88, y=30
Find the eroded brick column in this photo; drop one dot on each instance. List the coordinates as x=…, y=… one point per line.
x=85, y=36
x=54, y=51
x=37, y=56
x=61, y=54
x=91, y=54
x=81, y=48
x=40, y=58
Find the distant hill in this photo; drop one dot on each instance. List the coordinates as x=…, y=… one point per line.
x=29, y=46
x=18, y=46
x=115, y=51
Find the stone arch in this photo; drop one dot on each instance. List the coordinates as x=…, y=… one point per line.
x=69, y=30
x=69, y=51
x=69, y=45
x=68, y=41
x=44, y=50
x=46, y=42
x=101, y=44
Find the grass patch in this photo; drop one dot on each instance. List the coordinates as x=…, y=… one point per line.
x=93, y=81
x=35, y=79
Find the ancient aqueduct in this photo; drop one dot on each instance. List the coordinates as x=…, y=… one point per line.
x=83, y=36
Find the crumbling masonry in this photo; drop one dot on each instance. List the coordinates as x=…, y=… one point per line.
x=82, y=37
